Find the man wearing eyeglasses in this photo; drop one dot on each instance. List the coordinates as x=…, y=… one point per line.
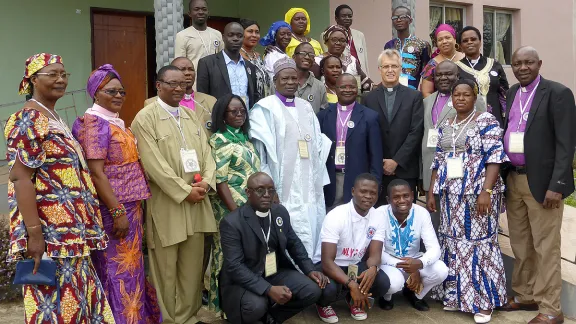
x=258, y=281
x=415, y=51
x=174, y=151
x=401, y=114
x=309, y=88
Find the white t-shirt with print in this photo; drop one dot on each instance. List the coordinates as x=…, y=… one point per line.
x=351, y=232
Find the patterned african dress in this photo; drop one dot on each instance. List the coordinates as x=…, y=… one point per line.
x=236, y=160
x=415, y=55
x=263, y=80
x=121, y=266
x=70, y=219
x=428, y=71
x=469, y=241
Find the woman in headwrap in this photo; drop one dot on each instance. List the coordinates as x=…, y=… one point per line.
x=119, y=179
x=275, y=41
x=299, y=20
x=54, y=211
x=446, y=42
x=251, y=39
x=336, y=38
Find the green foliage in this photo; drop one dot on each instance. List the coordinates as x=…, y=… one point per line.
x=7, y=290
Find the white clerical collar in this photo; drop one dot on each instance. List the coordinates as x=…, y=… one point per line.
x=187, y=96
x=167, y=106
x=261, y=214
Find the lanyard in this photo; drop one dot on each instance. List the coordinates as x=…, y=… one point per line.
x=343, y=123
x=454, y=137
x=59, y=120
x=400, y=229
x=206, y=110
x=206, y=48
x=267, y=236
x=402, y=45
x=177, y=121
x=524, y=107
x=472, y=65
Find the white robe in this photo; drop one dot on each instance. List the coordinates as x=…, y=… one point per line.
x=275, y=130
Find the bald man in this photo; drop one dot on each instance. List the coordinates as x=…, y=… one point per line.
x=539, y=140
x=227, y=71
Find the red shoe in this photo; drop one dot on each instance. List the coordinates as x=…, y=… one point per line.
x=357, y=313
x=327, y=314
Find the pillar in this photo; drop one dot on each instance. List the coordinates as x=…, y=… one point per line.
x=169, y=20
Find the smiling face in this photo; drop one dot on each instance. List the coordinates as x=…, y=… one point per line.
x=390, y=70
x=332, y=70
x=446, y=42
x=337, y=43
x=470, y=43
x=365, y=194
x=251, y=36
x=108, y=100
x=344, y=18
x=445, y=75
x=463, y=99
x=304, y=57
x=50, y=87
x=526, y=65
x=286, y=82
x=283, y=37
x=346, y=89
x=299, y=23
x=400, y=199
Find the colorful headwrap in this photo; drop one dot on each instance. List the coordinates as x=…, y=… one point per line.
x=34, y=64
x=335, y=28
x=270, y=38
x=284, y=63
x=99, y=78
x=290, y=14
x=445, y=27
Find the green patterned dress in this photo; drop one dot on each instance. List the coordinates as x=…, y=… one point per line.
x=236, y=160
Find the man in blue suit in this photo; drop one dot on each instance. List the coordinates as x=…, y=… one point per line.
x=356, y=142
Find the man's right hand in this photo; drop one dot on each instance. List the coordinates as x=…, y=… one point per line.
x=280, y=294
x=196, y=195
x=359, y=299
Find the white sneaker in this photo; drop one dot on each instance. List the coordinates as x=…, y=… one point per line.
x=451, y=309
x=327, y=314
x=482, y=318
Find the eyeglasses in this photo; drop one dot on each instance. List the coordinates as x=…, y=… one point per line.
x=262, y=191
x=403, y=17
x=306, y=54
x=389, y=67
x=55, y=75
x=175, y=85
x=338, y=40
x=237, y=112
x=114, y=92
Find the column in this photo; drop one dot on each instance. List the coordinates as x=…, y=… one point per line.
x=169, y=20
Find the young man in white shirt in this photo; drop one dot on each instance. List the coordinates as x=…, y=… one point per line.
x=350, y=234
x=408, y=269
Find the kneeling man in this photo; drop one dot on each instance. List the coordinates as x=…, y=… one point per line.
x=258, y=282
x=408, y=269
x=349, y=252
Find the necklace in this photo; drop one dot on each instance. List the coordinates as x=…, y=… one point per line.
x=456, y=124
x=251, y=56
x=330, y=90
x=302, y=40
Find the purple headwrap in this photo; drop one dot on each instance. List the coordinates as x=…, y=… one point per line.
x=445, y=27
x=97, y=78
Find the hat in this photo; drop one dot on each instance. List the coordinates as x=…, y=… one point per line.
x=284, y=63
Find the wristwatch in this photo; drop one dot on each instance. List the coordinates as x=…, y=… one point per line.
x=489, y=191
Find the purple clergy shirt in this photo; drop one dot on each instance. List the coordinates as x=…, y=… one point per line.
x=342, y=117
x=188, y=102
x=288, y=102
x=515, y=117
x=441, y=100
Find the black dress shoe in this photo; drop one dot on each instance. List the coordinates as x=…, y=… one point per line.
x=419, y=304
x=386, y=304
x=205, y=297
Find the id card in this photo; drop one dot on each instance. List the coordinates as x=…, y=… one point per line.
x=303, y=149
x=353, y=271
x=516, y=144
x=455, y=168
x=270, y=265
x=404, y=80
x=432, y=138
x=190, y=160
x=340, y=155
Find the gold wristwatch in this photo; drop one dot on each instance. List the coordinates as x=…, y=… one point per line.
x=489, y=191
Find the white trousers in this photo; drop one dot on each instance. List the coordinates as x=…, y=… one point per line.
x=431, y=275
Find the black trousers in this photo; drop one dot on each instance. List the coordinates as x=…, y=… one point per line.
x=384, y=189
x=305, y=292
x=335, y=291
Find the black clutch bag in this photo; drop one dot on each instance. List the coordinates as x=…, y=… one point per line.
x=46, y=274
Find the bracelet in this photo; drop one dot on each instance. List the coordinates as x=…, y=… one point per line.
x=117, y=211
x=349, y=281
x=30, y=227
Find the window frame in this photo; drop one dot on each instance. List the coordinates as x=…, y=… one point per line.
x=448, y=5
x=494, y=12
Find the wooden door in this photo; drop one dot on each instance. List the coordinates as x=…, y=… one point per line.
x=120, y=39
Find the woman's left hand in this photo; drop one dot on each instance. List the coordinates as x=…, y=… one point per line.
x=483, y=203
x=121, y=227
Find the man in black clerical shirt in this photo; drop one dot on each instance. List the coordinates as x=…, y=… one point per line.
x=258, y=282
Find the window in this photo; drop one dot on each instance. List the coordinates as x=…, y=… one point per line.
x=498, y=35
x=446, y=14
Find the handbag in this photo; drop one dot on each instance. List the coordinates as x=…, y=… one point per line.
x=46, y=274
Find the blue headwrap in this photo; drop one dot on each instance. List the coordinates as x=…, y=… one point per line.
x=270, y=38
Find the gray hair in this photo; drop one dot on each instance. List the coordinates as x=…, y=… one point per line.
x=391, y=53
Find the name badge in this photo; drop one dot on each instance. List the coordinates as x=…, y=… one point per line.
x=303, y=149
x=404, y=80
x=353, y=271
x=340, y=155
x=516, y=143
x=190, y=160
x=455, y=168
x=270, y=266
x=432, y=140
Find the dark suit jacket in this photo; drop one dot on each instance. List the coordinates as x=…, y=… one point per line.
x=212, y=77
x=402, y=133
x=244, y=252
x=363, y=148
x=549, y=138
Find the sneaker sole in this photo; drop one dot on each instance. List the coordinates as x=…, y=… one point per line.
x=328, y=320
x=359, y=317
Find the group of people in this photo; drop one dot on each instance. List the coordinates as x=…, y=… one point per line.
x=291, y=186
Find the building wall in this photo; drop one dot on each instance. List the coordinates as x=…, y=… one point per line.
x=556, y=46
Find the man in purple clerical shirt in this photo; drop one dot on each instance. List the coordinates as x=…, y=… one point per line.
x=539, y=140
